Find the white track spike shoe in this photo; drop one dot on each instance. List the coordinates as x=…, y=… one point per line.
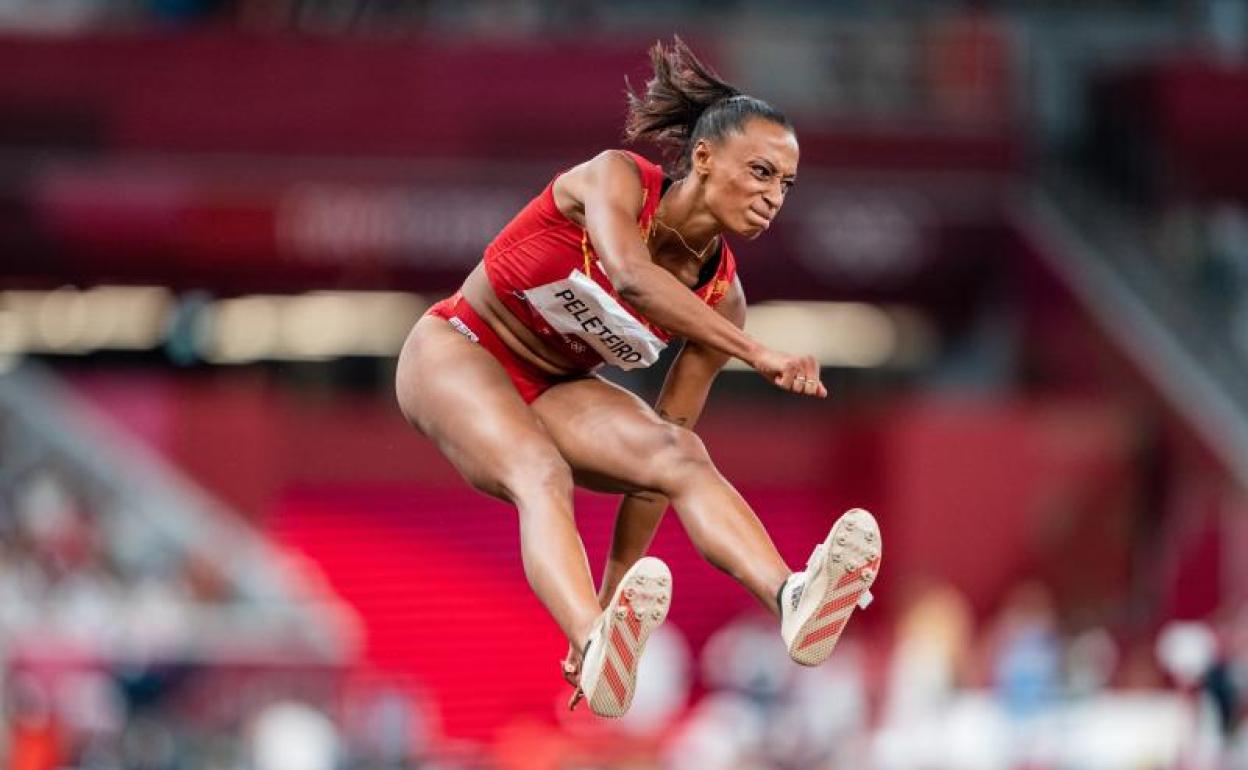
x=613, y=652
x=816, y=604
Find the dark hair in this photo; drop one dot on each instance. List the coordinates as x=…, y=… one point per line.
x=686, y=101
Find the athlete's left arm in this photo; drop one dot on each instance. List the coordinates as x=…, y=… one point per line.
x=681, y=400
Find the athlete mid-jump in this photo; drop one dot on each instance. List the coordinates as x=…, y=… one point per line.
x=608, y=264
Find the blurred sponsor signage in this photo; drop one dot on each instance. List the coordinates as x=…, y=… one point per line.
x=236, y=227
x=422, y=226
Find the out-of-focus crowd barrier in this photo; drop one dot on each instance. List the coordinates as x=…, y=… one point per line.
x=138, y=618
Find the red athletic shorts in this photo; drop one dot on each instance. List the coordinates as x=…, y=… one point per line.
x=529, y=380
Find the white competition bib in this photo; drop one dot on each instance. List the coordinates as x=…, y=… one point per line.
x=579, y=307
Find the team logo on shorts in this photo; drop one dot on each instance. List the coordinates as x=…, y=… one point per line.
x=463, y=329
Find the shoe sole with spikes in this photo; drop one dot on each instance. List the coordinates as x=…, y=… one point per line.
x=838, y=580
x=640, y=604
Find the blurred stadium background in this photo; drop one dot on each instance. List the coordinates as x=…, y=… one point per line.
x=1019, y=245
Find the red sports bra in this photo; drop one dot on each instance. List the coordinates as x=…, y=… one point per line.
x=544, y=270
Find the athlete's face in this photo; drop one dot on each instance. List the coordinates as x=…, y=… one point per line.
x=747, y=175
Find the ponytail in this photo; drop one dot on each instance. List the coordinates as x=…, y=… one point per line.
x=686, y=101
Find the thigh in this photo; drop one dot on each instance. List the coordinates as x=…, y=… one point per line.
x=458, y=394
x=614, y=441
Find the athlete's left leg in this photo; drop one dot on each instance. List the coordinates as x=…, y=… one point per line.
x=614, y=441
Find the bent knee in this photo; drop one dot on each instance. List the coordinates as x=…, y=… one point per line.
x=681, y=445
x=679, y=454
x=536, y=471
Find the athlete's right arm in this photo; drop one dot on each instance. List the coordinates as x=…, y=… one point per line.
x=605, y=193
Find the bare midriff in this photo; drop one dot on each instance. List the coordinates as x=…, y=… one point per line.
x=515, y=335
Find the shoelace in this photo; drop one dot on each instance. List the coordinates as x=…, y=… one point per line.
x=577, y=694
x=798, y=579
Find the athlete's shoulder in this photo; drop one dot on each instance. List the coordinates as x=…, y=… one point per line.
x=619, y=160
x=620, y=175
x=644, y=165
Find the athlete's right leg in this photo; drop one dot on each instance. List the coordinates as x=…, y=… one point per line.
x=459, y=396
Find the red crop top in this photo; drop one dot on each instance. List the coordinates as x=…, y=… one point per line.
x=544, y=269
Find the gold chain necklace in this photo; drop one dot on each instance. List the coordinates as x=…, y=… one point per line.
x=698, y=256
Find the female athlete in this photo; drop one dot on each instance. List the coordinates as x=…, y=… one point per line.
x=610, y=262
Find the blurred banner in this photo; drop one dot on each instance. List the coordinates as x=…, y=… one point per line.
x=230, y=225
x=499, y=97
x=242, y=164
x=1174, y=128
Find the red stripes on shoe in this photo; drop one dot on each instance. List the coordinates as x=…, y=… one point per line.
x=613, y=679
x=831, y=608
x=621, y=646
x=815, y=637
x=855, y=574
x=632, y=621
